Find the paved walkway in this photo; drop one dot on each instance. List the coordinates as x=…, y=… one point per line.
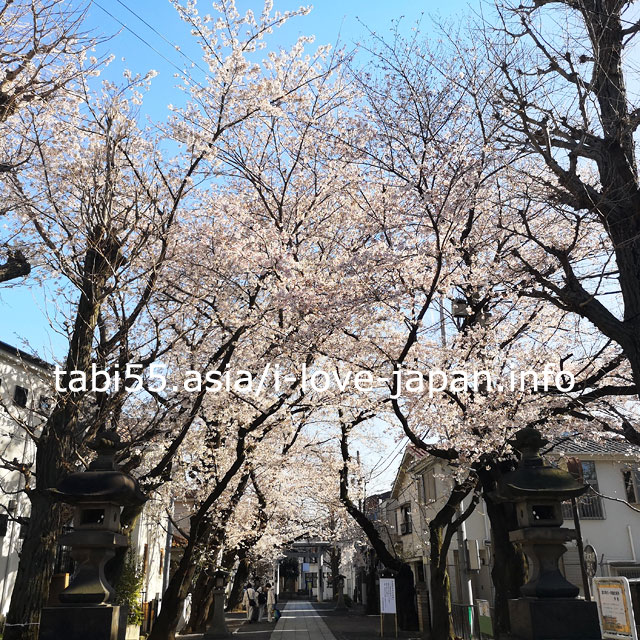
x=300, y=621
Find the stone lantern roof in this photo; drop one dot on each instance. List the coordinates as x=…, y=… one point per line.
x=533, y=478
x=102, y=481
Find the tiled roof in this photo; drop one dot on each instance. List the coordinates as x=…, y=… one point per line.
x=416, y=452
x=607, y=445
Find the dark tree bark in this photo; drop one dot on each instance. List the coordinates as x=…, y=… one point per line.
x=242, y=573
x=16, y=266
x=200, y=529
x=405, y=589
x=508, y=565
x=373, y=598
x=202, y=597
x=55, y=453
x=166, y=624
x=507, y=572
x=441, y=531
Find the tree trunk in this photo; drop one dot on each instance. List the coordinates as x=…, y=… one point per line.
x=165, y=625
x=202, y=597
x=238, y=582
x=37, y=559
x=406, y=599
x=508, y=565
x=336, y=555
x=441, y=619
x=406, y=593
x=373, y=598
x=54, y=456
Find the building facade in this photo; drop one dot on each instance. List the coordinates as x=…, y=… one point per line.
x=608, y=516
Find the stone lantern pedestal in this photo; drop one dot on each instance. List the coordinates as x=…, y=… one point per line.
x=98, y=494
x=218, y=626
x=549, y=608
x=340, y=603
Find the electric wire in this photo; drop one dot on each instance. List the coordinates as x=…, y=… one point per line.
x=183, y=72
x=169, y=42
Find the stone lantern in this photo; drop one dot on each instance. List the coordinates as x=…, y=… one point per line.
x=218, y=627
x=339, y=585
x=549, y=607
x=98, y=495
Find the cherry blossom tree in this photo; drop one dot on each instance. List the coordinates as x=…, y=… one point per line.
x=101, y=214
x=435, y=229
x=567, y=114
x=43, y=55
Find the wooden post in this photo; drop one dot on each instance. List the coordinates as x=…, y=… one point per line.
x=576, y=523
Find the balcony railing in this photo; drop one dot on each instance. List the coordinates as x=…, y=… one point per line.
x=405, y=528
x=589, y=508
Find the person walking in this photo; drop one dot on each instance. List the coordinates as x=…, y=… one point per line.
x=262, y=603
x=249, y=602
x=271, y=601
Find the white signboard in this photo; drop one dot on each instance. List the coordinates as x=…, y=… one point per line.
x=615, y=610
x=387, y=595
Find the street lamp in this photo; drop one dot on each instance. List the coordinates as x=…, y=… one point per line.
x=218, y=626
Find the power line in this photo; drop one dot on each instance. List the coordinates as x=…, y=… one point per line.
x=173, y=45
x=130, y=30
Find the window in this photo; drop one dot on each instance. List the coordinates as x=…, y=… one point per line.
x=426, y=483
x=20, y=395
x=4, y=521
x=430, y=493
x=590, y=505
x=421, y=488
x=405, y=519
x=631, y=479
x=44, y=404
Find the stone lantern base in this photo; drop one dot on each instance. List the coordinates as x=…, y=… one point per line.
x=98, y=622
x=553, y=619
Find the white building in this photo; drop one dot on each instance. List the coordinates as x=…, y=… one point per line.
x=25, y=399
x=609, y=516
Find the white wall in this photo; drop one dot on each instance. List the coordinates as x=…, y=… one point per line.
x=15, y=443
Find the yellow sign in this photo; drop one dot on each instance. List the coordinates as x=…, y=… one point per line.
x=614, y=608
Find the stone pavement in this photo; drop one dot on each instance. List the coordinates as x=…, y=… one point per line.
x=303, y=620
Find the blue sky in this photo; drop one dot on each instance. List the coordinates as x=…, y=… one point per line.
x=146, y=43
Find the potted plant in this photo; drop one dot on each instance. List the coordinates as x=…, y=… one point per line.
x=129, y=594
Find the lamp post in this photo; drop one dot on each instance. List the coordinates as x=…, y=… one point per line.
x=218, y=626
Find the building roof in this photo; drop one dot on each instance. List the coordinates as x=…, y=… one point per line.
x=23, y=355
x=607, y=445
